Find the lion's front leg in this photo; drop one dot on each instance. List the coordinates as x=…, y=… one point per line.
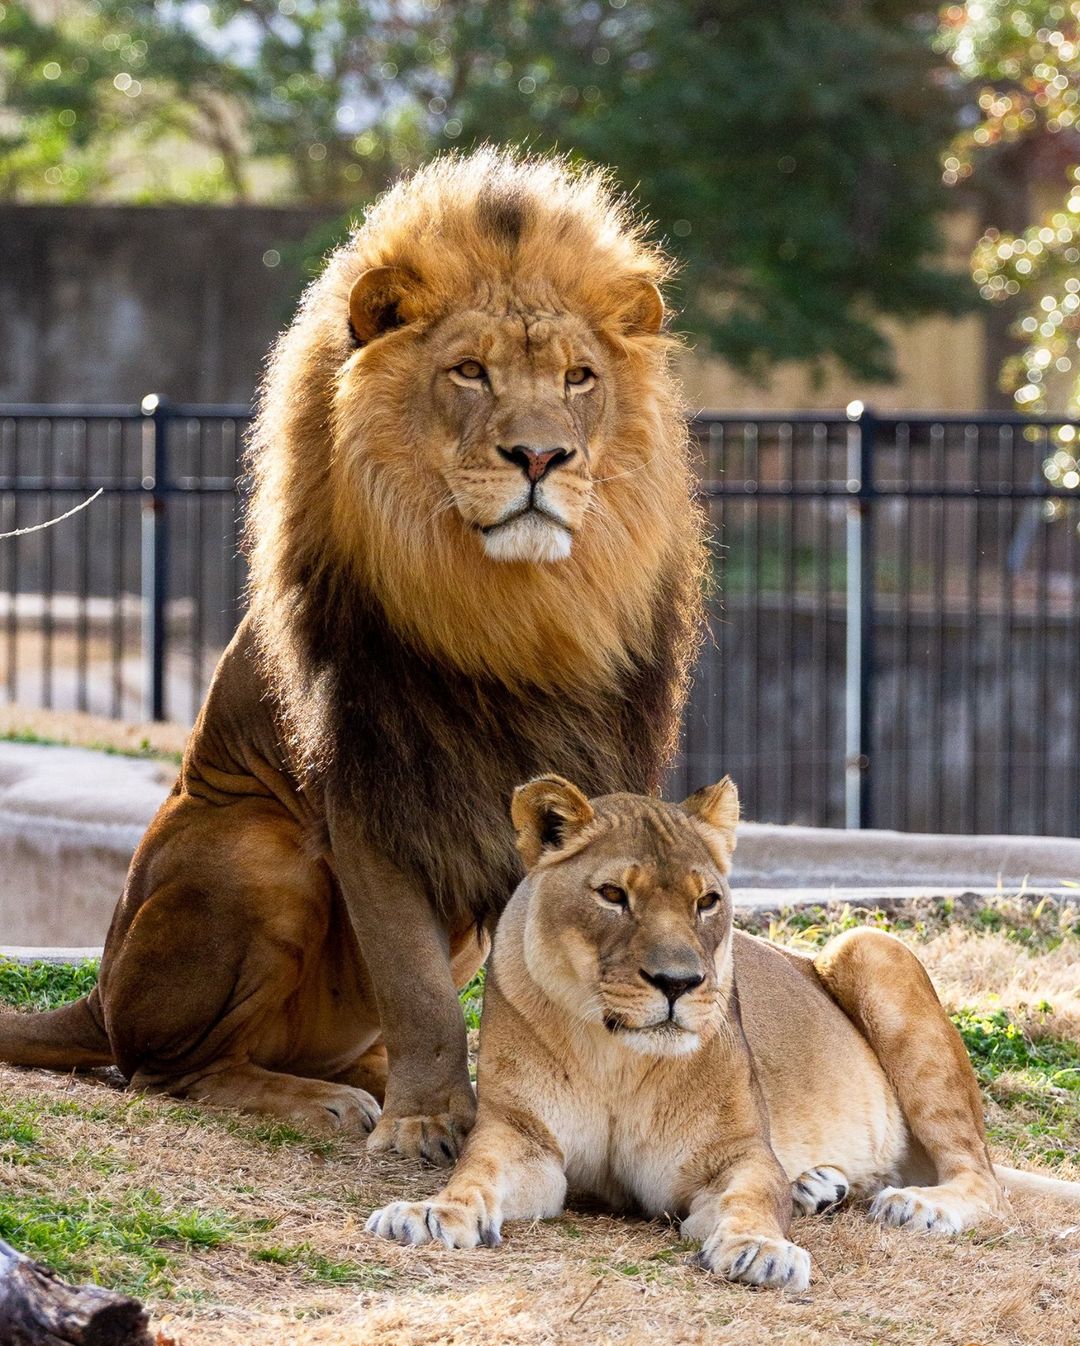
x=504, y=1172
x=430, y=1104
x=741, y=1220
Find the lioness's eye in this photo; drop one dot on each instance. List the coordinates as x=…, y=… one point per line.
x=612, y=893
x=709, y=902
x=579, y=376
x=471, y=370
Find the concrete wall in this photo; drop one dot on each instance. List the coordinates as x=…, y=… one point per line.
x=106, y=303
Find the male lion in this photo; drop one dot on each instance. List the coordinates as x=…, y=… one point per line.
x=633, y=1046
x=474, y=558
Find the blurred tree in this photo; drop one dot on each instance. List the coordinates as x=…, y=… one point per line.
x=1023, y=57
x=790, y=152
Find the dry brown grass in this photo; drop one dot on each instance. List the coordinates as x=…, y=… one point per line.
x=588, y=1277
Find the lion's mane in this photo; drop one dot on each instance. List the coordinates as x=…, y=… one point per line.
x=409, y=670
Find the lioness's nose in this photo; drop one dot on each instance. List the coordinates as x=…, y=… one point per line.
x=535, y=463
x=673, y=985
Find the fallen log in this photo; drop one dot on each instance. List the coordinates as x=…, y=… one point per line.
x=38, y=1309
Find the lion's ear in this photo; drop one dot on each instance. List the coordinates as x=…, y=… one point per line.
x=717, y=806
x=377, y=301
x=642, y=310
x=546, y=813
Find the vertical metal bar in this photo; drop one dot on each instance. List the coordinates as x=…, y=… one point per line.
x=11, y=556
x=787, y=722
x=904, y=442
x=1042, y=794
x=938, y=520
x=82, y=579
x=154, y=551
x=197, y=505
x=753, y=744
x=859, y=663
x=970, y=619
x=47, y=543
x=117, y=532
x=1006, y=524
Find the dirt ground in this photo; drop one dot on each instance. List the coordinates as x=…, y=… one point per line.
x=237, y=1232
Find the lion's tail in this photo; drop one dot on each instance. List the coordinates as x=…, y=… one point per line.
x=1019, y=1180
x=61, y=1039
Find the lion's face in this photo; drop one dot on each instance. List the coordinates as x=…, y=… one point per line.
x=519, y=402
x=505, y=411
x=629, y=915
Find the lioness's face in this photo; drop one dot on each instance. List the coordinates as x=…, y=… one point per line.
x=520, y=401
x=629, y=917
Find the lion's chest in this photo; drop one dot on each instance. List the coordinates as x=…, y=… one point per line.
x=626, y=1151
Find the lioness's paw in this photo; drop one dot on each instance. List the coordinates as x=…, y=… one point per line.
x=818, y=1190
x=934, y=1210
x=437, y=1139
x=774, y=1263
x=450, y=1223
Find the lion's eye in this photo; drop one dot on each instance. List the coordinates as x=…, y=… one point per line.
x=708, y=902
x=580, y=377
x=614, y=895
x=471, y=370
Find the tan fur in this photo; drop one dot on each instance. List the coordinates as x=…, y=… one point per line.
x=743, y=1079
x=457, y=582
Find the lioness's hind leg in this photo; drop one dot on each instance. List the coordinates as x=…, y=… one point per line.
x=885, y=991
x=818, y=1190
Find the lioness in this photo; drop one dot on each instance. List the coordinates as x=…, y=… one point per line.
x=634, y=1046
x=474, y=558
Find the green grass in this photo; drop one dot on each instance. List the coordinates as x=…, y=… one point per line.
x=472, y=1000
x=1038, y=925
x=324, y=1270
x=42, y=986
x=128, y=1243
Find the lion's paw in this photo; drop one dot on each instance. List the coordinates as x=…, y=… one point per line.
x=818, y=1190
x=339, y=1107
x=437, y=1139
x=451, y=1223
x=934, y=1210
x=774, y=1263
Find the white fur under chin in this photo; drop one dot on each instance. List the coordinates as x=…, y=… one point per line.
x=651, y=1042
x=529, y=538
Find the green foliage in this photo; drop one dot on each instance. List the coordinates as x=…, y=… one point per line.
x=42, y=986
x=789, y=152
x=996, y=1043
x=1023, y=59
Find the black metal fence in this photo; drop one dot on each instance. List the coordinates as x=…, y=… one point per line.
x=894, y=619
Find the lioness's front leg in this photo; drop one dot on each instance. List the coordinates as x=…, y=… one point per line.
x=506, y=1171
x=430, y=1104
x=741, y=1217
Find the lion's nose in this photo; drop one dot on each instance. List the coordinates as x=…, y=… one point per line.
x=535, y=463
x=673, y=985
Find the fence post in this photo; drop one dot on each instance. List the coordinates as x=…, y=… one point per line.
x=155, y=551
x=859, y=657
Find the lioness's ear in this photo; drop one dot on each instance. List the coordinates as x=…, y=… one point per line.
x=642, y=312
x=717, y=806
x=546, y=813
x=376, y=301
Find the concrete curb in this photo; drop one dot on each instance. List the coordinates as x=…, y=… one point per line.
x=70, y=819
